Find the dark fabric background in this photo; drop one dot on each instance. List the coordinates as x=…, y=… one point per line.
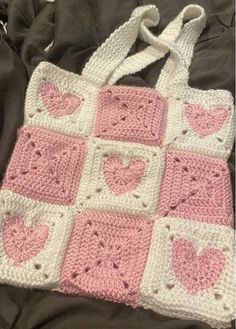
x=78, y=27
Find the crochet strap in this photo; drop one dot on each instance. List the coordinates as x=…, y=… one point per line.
x=190, y=31
x=176, y=70
x=185, y=35
x=113, y=51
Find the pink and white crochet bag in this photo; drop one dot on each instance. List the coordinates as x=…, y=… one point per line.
x=124, y=193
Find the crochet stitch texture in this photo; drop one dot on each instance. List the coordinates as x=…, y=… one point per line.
x=123, y=193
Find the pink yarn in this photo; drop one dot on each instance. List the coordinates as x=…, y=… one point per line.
x=22, y=243
x=196, y=272
x=106, y=256
x=46, y=166
x=121, y=178
x=131, y=114
x=206, y=122
x=57, y=103
x=196, y=187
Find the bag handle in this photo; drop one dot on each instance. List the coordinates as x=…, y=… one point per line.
x=176, y=70
x=114, y=50
x=184, y=35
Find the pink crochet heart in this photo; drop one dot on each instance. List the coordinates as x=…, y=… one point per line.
x=205, y=122
x=57, y=103
x=196, y=272
x=21, y=243
x=120, y=178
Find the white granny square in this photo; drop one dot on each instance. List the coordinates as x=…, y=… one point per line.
x=210, y=130
x=65, y=85
x=33, y=240
x=117, y=190
x=178, y=281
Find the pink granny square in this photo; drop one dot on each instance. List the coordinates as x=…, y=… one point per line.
x=46, y=166
x=106, y=256
x=131, y=114
x=196, y=187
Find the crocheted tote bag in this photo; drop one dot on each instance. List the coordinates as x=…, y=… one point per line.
x=123, y=193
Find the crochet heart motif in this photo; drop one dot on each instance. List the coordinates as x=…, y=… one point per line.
x=120, y=178
x=205, y=122
x=196, y=272
x=57, y=103
x=22, y=243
